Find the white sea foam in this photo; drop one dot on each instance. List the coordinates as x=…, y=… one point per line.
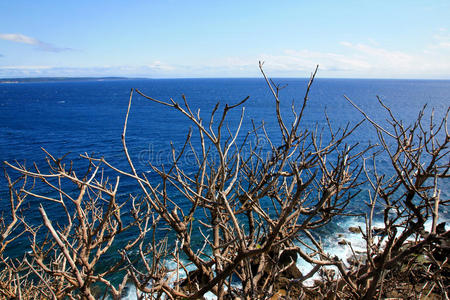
x=356, y=243
x=330, y=243
x=210, y=296
x=131, y=293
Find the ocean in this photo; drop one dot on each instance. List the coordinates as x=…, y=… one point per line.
x=73, y=117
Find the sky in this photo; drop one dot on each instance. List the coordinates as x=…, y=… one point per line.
x=196, y=38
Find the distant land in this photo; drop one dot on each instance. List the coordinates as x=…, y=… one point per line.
x=53, y=79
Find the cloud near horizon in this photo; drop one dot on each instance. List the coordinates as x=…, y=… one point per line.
x=364, y=60
x=40, y=45
x=152, y=70
x=368, y=60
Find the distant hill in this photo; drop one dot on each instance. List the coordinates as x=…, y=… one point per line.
x=57, y=79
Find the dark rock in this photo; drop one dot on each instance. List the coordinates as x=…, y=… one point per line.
x=378, y=231
x=440, y=229
x=288, y=256
x=354, y=229
x=293, y=272
x=442, y=250
x=344, y=242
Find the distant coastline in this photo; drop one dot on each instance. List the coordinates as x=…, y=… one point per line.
x=59, y=79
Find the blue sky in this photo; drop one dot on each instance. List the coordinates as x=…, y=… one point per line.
x=171, y=38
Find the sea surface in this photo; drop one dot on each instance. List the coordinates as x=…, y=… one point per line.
x=87, y=116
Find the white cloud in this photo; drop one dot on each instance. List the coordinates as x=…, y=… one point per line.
x=365, y=60
x=350, y=59
x=158, y=65
x=306, y=60
x=99, y=71
x=40, y=45
x=24, y=67
x=376, y=56
x=441, y=40
x=19, y=38
x=23, y=71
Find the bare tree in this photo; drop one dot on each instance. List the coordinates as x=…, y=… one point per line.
x=66, y=259
x=12, y=282
x=251, y=207
x=256, y=200
x=411, y=196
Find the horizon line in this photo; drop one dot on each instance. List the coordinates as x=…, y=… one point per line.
x=62, y=78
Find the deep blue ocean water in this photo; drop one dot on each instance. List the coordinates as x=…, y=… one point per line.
x=79, y=117
x=87, y=116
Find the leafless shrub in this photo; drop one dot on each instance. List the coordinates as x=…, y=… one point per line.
x=410, y=197
x=65, y=255
x=250, y=208
x=256, y=213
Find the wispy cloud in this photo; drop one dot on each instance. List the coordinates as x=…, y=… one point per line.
x=367, y=60
x=306, y=60
x=377, y=56
x=24, y=67
x=441, y=40
x=40, y=45
x=158, y=65
x=156, y=69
